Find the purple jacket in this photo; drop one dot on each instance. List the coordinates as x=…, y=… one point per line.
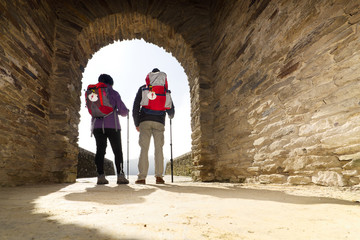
x=109, y=121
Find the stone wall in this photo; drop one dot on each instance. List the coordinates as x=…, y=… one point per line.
x=26, y=50
x=182, y=165
x=86, y=166
x=286, y=92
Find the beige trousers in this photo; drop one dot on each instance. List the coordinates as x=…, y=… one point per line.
x=148, y=129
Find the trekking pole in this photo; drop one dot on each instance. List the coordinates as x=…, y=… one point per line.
x=127, y=167
x=171, y=154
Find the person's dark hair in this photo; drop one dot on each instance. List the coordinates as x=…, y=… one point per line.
x=107, y=79
x=155, y=70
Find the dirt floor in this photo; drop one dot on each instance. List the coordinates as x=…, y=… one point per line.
x=179, y=210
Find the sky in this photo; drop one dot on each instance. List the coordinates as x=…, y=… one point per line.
x=128, y=63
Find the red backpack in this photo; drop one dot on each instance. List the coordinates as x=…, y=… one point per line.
x=97, y=101
x=156, y=96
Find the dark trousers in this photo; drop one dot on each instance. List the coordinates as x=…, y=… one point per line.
x=101, y=143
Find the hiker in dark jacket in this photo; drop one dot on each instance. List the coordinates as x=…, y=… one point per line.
x=109, y=128
x=150, y=123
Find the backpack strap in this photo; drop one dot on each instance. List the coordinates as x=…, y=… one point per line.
x=92, y=126
x=115, y=115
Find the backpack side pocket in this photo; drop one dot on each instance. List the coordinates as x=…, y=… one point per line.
x=168, y=102
x=144, y=98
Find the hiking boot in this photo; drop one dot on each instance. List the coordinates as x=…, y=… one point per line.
x=121, y=179
x=102, y=180
x=159, y=180
x=140, y=181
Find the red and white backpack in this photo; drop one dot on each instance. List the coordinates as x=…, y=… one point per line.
x=155, y=96
x=97, y=100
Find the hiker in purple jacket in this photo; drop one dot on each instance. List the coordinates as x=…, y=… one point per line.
x=109, y=128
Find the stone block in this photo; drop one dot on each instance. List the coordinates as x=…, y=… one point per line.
x=295, y=163
x=253, y=169
x=349, y=173
x=273, y=178
x=323, y=162
x=328, y=178
x=315, y=127
x=299, y=180
x=354, y=181
x=259, y=141
x=283, y=132
x=348, y=150
x=354, y=156
x=271, y=168
x=354, y=164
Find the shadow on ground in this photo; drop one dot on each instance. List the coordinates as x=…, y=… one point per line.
x=126, y=194
x=19, y=221
x=238, y=192
x=107, y=194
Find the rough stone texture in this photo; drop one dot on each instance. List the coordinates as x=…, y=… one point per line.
x=26, y=49
x=86, y=166
x=285, y=90
x=273, y=84
x=182, y=165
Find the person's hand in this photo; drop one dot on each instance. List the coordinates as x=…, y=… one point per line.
x=138, y=129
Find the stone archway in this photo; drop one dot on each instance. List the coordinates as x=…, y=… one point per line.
x=45, y=50
x=79, y=48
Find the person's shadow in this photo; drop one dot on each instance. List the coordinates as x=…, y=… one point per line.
x=111, y=195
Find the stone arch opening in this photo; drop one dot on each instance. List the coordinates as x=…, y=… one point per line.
x=128, y=62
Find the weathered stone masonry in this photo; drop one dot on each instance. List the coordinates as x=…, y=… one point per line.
x=274, y=84
x=286, y=91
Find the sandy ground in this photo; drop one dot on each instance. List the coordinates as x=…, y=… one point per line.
x=179, y=210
